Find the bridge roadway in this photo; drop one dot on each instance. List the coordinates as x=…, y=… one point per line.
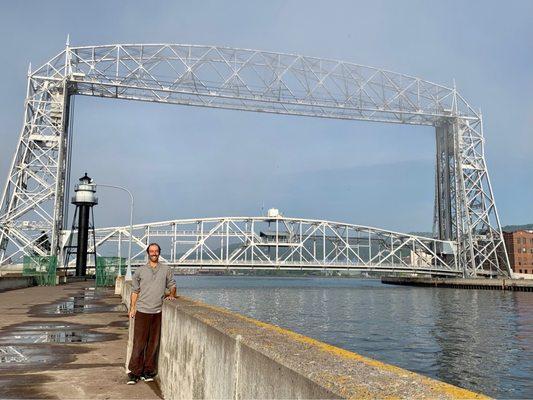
x=282, y=243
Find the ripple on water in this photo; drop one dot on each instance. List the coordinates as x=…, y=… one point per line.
x=478, y=339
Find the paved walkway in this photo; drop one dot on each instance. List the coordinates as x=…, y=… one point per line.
x=65, y=342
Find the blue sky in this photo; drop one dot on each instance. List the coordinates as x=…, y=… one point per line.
x=184, y=162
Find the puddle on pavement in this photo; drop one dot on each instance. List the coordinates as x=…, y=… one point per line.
x=45, y=326
x=10, y=354
x=49, y=332
x=58, y=336
x=32, y=344
x=72, y=307
x=120, y=324
x=28, y=345
x=75, y=305
x=15, y=356
x=91, y=293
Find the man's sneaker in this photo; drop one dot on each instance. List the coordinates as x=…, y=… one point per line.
x=148, y=377
x=132, y=379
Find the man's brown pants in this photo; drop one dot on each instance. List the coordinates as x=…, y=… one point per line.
x=146, y=333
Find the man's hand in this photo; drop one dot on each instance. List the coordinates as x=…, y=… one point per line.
x=171, y=297
x=172, y=294
x=133, y=310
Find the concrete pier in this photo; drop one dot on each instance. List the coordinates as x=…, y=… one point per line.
x=70, y=341
x=210, y=352
x=65, y=342
x=517, y=285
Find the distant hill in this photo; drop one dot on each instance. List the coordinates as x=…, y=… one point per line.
x=424, y=234
x=507, y=228
x=512, y=228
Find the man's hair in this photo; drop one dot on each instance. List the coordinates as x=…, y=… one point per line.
x=153, y=244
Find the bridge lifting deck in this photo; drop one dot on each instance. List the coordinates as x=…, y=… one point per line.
x=283, y=243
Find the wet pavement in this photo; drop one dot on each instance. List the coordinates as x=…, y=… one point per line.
x=19, y=357
x=54, y=336
x=74, y=307
x=65, y=342
x=89, y=301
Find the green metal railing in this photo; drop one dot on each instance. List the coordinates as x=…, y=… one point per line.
x=43, y=268
x=107, y=269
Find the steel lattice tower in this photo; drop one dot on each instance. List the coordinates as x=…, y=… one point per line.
x=33, y=200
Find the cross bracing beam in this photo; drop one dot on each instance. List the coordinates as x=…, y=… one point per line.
x=252, y=80
x=33, y=200
x=283, y=243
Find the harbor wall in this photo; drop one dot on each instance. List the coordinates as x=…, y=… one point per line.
x=516, y=285
x=16, y=282
x=210, y=352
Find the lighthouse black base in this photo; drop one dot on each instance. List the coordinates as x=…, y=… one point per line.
x=84, y=199
x=83, y=240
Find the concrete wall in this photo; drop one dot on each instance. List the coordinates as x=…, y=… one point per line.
x=119, y=283
x=209, y=352
x=517, y=285
x=19, y=282
x=517, y=275
x=11, y=270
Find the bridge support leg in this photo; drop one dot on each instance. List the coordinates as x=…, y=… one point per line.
x=465, y=211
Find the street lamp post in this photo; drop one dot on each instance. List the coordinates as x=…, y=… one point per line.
x=128, y=269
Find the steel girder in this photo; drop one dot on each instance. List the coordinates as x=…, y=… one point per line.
x=282, y=243
x=32, y=203
x=33, y=199
x=465, y=210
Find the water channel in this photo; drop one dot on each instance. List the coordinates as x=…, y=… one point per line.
x=481, y=340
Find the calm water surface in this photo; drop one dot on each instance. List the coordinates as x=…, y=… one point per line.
x=477, y=339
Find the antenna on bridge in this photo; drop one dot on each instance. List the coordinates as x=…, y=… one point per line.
x=29, y=69
x=454, y=100
x=68, y=40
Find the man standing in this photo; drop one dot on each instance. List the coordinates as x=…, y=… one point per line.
x=149, y=285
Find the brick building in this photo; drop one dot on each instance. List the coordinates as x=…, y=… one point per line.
x=520, y=250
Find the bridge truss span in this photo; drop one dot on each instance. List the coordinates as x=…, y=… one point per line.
x=253, y=80
x=33, y=205
x=284, y=244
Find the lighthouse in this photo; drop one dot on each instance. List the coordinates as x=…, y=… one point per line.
x=84, y=199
